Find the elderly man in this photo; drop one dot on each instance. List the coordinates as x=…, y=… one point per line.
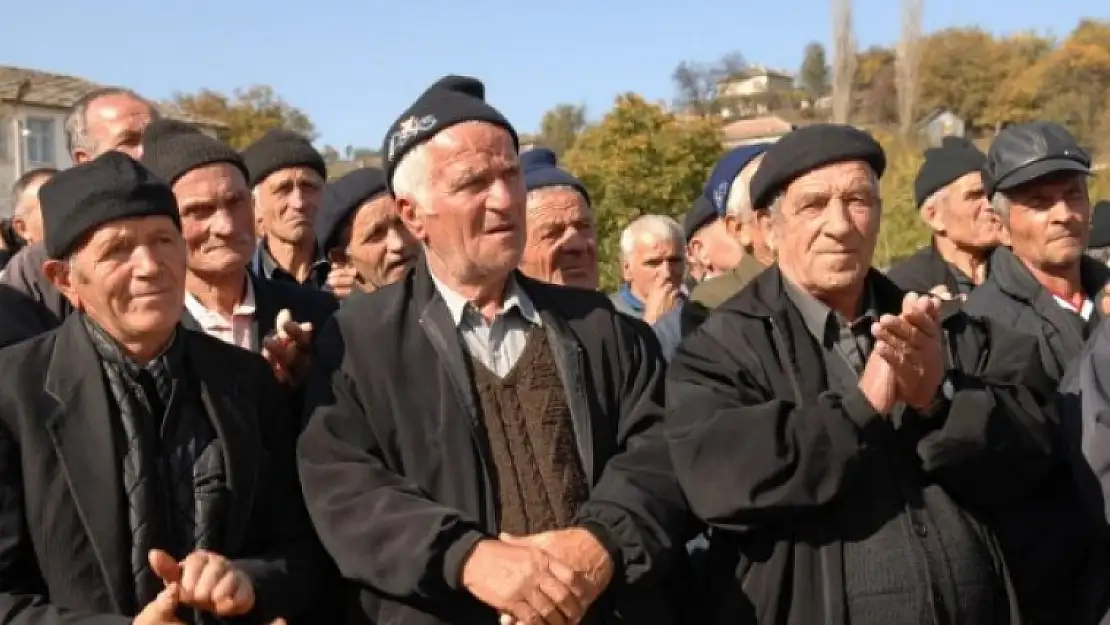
x=830, y=429
x=561, y=246
x=360, y=233
x=524, y=473
x=223, y=299
x=1045, y=287
x=953, y=202
x=653, y=260
x=148, y=470
x=26, y=212
x=286, y=177
x=1098, y=245
x=109, y=119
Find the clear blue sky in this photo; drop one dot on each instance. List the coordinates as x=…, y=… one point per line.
x=354, y=65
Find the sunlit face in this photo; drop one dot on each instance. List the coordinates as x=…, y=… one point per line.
x=1050, y=220
x=963, y=215
x=561, y=247
x=655, y=262
x=217, y=220
x=376, y=244
x=114, y=122
x=287, y=203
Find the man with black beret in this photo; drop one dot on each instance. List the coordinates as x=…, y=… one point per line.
x=953, y=202
x=154, y=461
x=561, y=245
x=360, y=233
x=223, y=298
x=480, y=443
x=286, y=176
x=1046, y=287
x=825, y=400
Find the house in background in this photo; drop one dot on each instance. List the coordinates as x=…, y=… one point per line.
x=756, y=130
x=753, y=91
x=33, y=107
x=939, y=124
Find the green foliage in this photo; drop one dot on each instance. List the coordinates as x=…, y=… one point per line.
x=249, y=113
x=638, y=160
x=560, y=127
x=814, y=75
x=902, y=231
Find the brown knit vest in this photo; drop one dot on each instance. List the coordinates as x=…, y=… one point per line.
x=539, y=478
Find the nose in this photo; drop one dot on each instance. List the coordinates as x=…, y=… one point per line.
x=395, y=239
x=144, y=262
x=837, y=223
x=221, y=224
x=575, y=243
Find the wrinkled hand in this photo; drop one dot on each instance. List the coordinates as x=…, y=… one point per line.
x=161, y=611
x=578, y=549
x=524, y=583
x=912, y=344
x=289, y=348
x=342, y=280
x=662, y=300
x=206, y=581
x=878, y=383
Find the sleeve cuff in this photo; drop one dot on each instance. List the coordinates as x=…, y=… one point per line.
x=609, y=543
x=456, y=556
x=858, y=408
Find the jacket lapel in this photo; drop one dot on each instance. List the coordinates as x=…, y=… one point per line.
x=81, y=429
x=235, y=420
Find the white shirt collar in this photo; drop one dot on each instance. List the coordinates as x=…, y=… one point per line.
x=515, y=297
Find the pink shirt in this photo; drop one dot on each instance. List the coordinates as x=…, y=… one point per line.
x=238, y=330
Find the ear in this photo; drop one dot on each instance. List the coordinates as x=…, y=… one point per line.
x=412, y=218
x=732, y=226
x=19, y=226
x=80, y=155
x=695, y=249
x=765, y=223
x=933, y=216
x=59, y=274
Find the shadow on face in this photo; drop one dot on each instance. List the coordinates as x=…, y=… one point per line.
x=288, y=200
x=962, y=214
x=217, y=220
x=376, y=244
x=1049, y=220
x=561, y=246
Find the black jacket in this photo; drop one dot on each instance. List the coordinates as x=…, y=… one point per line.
x=766, y=453
x=64, y=536
x=394, y=465
x=923, y=271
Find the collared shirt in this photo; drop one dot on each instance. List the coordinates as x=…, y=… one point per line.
x=264, y=266
x=1084, y=313
x=851, y=340
x=238, y=330
x=497, y=344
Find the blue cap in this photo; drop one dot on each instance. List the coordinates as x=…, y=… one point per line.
x=726, y=170
x=541, y=169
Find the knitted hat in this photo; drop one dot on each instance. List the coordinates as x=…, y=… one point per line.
x=701, y=214
x=800, y=151
x=111, y=187
x=341, y=197
x=281, y=149
x=541, y=169
x=449, y=101
x=955, y=158
x=172, y=148
x=726, y=170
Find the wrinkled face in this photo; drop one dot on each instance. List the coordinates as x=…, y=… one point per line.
x=825, y=227
x=376, y=244
x=471, y=215
x=115, y=122
x=217, y=221
x=654, y=263
x=287, y=202
x=714, y=250
x=27, y=219
x=129, y=277
x=561, y=247
x=963, y=214
x=1050, y=220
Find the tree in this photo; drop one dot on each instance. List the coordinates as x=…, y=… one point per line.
x=249, y=113
x=813, y=77
x=696, y=84
x=874, y=89
x=330, y=154
x=908, y=59
x=959, y=72
x=844, y=60
x=560, y=127
x=641, y=159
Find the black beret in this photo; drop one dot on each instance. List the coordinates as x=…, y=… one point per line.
x=449, y=101
x=541, y=169
x=341, y=197
x=955, y=158
x=172, y=148
x=807, y=148
x=1100, y=225
x=281, y=149
x=701, y=214
x=111, y=187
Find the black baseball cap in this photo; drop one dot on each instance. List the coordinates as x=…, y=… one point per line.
x=1024, y=152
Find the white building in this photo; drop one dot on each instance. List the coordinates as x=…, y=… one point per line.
x=33, y=107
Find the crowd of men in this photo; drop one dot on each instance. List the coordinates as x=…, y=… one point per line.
x=232, y=391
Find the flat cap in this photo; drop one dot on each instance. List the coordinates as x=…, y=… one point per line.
x=810, y=147
x=1024, y=152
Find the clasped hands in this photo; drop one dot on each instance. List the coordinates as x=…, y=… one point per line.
x=550, y=578
x=907, y=362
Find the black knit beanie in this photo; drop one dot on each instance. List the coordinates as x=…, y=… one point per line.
x=956, y=157
x=281, y=149
x=172, y=148
x=451, y=100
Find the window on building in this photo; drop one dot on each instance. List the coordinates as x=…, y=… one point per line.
x=39, y=140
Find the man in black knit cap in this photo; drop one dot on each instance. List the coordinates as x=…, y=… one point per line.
x=286, y=176
x=950, y=195
x=501, y=455
x=147, y=470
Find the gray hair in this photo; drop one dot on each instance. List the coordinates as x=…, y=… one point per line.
x=654, y=227
x=410, y=176
x=536, y=194
x=739, y=203
x=935, y=197
x=77, y=121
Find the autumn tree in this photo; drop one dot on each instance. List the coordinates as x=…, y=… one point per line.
x=813, y=77
x=874, y=89
x=844, y=60
x=560, y=127
x=248, y=113
x=696, y=83
x=641, y=159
